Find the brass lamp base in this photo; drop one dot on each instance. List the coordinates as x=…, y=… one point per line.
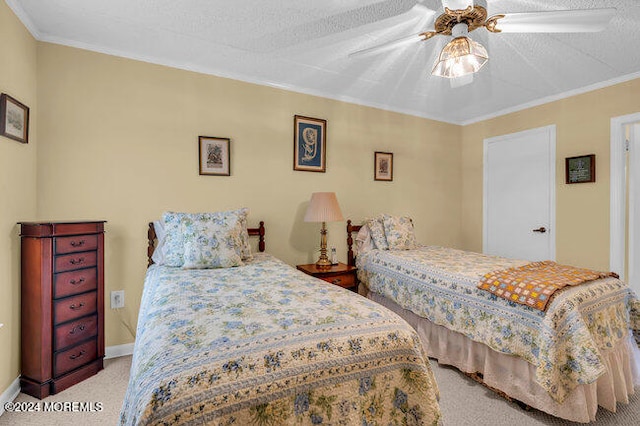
x=323, y=261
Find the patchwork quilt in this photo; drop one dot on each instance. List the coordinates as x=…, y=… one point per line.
x=265, y=344
x=565, y=343
x=535, y=283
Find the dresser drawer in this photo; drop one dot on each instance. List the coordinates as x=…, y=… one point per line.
x=76, y=243
x=74, y=282
x=74, y=357
x=74, y=307
x=344, y=280
x=76, y=331
x=70, y=262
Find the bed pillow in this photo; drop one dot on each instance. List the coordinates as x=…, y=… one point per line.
x=173, y=239
x=212, y=242
x=399, y=232
x=376, y=229
x=174, y=227
x=158, y=252
x=244, y=234
x=364, y=243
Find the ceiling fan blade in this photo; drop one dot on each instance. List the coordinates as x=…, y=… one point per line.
x=561, y=21
x=414, y=38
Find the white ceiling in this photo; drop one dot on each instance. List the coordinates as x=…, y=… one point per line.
x=302, y=45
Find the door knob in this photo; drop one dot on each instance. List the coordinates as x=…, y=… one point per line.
x=542, y=230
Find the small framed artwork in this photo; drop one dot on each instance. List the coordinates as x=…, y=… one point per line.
x=215, y=156
x=580, y=169
x=309, y=144
x=383, y=166
x=14, y=119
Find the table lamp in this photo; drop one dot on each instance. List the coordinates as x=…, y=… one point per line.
x=323, y=207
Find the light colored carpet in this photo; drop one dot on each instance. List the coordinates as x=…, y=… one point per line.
x=463, y=402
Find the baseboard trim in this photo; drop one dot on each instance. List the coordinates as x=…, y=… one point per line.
x=118, y=350
x=9, y=394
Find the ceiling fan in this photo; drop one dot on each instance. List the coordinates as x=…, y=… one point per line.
x=463, y=56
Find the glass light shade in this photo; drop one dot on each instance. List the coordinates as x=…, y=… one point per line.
x=461, y=56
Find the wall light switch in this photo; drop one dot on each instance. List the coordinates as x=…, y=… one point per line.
x=117, y=299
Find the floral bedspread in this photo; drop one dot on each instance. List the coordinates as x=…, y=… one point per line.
x=565, y=343
x=265, y=344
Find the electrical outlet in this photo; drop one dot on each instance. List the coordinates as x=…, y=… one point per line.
x=117, y=299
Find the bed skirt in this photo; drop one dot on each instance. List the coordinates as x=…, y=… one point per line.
x=516, y=377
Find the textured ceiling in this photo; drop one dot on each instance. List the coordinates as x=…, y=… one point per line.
x=303, y=45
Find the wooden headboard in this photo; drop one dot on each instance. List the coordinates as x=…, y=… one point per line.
x=351, y=259
x=151, y=237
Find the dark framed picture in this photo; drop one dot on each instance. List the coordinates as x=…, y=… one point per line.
x=580, y=169
x=383, y=166
x=309, y=144
x=215, y=156
x=14, y=119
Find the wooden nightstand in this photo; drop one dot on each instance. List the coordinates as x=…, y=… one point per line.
x=341, y=275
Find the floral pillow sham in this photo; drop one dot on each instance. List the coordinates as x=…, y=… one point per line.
x=376, y=229
x=213, y=243
x=177, y=226
x=399, y=232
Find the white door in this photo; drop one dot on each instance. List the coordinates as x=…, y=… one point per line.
x=634, y=209
x=519, y=195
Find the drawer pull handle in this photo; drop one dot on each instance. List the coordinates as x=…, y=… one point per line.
x=75, y=308
x=76, y=282
x=77, y=329
x=82, y=352
x=336, y=281
x=76, y=261
x=77, y=243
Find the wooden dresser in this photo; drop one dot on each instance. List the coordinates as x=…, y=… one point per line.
x=62, y=304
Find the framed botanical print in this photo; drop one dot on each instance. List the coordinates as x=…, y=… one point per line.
x=14, y=119
x=309, y=144
x=215, y=156
x=383, y=166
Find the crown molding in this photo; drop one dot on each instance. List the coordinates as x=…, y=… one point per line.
x=553, y=98
x=19, y=11
x=16, y=7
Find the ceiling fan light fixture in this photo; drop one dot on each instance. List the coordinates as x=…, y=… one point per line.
x=461, y=56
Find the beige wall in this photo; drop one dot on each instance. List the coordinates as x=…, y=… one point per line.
x=582, y=127
x=17, y=183
x=120, y=143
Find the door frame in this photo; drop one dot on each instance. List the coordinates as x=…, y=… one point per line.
x=617, y=197
x=550, y=133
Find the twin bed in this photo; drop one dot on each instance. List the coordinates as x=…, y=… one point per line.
x=265, y=344
x=262, y=343
x=568, y=360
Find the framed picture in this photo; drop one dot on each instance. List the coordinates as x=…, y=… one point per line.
x=580, y=169
x=215, y=156
x=383, y=166
x=309, y=144
x=14, y=119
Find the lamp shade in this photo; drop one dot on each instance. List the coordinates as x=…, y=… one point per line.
x=323, y=207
